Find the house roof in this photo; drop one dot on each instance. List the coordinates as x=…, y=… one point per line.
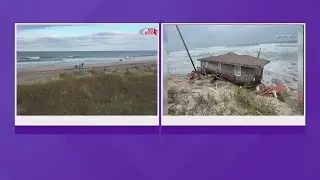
x=232, y=58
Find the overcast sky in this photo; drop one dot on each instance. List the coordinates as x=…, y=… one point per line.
x=199, y=36
x=89, y=37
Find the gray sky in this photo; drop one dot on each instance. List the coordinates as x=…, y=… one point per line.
x=199, y=36
x=85, y=37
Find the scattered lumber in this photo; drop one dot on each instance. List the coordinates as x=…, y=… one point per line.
x=196, y=75
x=216, y=91
x=276, y=91
x=217, y=77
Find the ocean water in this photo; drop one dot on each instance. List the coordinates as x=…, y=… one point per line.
x=282, y=56
x=65, y=58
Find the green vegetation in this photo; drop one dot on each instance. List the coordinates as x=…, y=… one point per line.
x=252, y=104
x=97, y=94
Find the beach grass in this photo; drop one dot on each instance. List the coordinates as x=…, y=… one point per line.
x=238, y=102
x=252, y=104
x=133, y=93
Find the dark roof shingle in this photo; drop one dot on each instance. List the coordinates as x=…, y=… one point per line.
x=232, y=58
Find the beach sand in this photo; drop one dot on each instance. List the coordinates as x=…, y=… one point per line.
x=186, y=93
x=33, y=75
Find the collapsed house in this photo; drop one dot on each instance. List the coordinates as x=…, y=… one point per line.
x=239, y=69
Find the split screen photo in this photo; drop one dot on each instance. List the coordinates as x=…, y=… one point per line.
x=151, y=74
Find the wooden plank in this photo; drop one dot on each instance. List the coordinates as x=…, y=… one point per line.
x=214, y=90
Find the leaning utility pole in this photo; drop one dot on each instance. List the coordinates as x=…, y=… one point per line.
x=184, y=43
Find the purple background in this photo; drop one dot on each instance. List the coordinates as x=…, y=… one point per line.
x=267, y=156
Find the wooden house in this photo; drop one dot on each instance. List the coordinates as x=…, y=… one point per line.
x=239, y=69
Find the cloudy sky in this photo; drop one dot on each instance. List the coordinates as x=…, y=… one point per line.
x=199, y=36
x=87, y=37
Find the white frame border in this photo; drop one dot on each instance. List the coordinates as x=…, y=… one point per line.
x=238, y=120
x=84, y=120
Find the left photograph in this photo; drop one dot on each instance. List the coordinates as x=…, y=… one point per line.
x=72, y=70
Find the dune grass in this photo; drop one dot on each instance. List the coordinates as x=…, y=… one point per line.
x=98, y=94
x=238, y=102
x=252, y=104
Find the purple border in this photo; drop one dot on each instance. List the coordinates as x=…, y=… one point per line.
x=160, y=79
x=86, y=129
x=166, y=157
x=233, y=130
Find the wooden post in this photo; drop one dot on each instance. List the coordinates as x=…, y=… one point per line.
x=259, y=53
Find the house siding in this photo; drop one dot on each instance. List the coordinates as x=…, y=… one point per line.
x=248, y=74
x=213, y=66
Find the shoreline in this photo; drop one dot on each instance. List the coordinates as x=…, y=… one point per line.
x=86, y=66
x=33, y=75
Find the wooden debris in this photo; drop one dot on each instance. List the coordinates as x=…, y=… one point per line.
x=196, y=75
x=262, y=87
x=258, y=88
x=213, y=90
x=276, y=91
x=217, y=77
x=216, y=89
x=201, y=74
x=204, y=72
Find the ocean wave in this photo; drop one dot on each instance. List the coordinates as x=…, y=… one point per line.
x=28, y=57
x=37, y=60
x=59, y=58
x=270, y=48
x=46, y=57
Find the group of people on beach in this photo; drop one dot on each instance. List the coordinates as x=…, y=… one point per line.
x=81, y=65
x=78, y=66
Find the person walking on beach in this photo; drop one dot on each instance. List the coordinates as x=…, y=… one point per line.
x=82, y=65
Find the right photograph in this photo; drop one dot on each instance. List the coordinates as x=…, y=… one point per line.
x=223, y=70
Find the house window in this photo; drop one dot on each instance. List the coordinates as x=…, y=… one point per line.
x=219, y=65
x=237, y=70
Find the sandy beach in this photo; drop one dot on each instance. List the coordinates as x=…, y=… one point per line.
x=33, y=75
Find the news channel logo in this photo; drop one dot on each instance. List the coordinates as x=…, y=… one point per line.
x=286, y=35
x=149, y=32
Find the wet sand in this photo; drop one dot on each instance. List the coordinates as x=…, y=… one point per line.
x=33, y=75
